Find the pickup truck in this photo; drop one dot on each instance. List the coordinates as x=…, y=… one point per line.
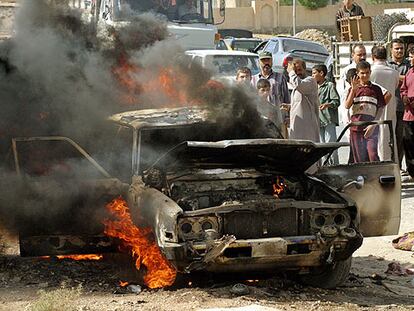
x=342, y=51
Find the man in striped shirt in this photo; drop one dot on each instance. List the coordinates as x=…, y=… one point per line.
x=366, y=103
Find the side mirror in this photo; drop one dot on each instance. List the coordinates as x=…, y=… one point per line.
x=222, y=8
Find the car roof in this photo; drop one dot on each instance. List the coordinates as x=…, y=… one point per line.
x=160, y=118
x=243, y=39
x=294, y=38
x=219, y=52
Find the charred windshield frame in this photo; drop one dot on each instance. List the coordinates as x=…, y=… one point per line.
x=203, y=10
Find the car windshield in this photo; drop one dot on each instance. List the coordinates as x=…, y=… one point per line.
x=244, y=45
x=180, y=11
x=289, y=45
x=229, y=64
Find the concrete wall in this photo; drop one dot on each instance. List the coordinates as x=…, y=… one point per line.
x=7, y=10
x=256, y=17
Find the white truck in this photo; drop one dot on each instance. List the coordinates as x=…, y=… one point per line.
x=191, y=22
x=341, y=51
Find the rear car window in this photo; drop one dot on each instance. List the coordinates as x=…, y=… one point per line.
x=245, y=45
x=272, y=46
x=289, y=45
x=229, y=64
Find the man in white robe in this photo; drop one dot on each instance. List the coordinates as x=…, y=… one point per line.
x=388, y=78
x=304, y=107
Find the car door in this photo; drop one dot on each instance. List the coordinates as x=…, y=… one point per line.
x=374, y=186
x=62, y=199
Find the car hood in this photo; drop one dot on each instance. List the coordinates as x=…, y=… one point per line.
x=285, y=156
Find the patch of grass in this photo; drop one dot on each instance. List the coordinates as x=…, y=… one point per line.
x=61, y=299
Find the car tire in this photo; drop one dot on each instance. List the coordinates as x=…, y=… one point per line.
x=331, y=276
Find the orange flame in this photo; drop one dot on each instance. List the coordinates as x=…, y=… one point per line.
x=136, y=81
x=123, y=284
x=81, y=257
x=160, y=272
x=278, y=187
x=76, y=257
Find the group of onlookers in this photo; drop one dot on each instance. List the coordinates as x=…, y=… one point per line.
x=308, y=104
x=381, y=91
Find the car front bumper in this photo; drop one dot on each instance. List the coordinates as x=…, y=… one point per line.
x=297, y=252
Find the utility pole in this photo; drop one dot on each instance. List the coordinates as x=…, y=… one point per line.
x=294, y=17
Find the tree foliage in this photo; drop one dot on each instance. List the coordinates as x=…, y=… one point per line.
x=314, y=4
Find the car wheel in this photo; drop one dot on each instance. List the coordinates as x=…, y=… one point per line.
x=331, y=276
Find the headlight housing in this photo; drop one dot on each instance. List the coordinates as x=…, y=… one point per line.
x=193, y=228
x=339, y=218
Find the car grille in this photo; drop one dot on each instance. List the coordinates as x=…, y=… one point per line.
x=254, y=225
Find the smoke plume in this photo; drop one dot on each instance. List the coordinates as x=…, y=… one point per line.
x=60, y=75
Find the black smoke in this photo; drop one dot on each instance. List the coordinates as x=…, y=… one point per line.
x=57, y=78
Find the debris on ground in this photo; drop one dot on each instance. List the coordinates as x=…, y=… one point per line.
x=239, y=289
x=316, y=35
x=254, y=307
x=395, y=268
x=136, y=289
x=404, y=242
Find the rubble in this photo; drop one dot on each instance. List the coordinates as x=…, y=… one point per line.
x=316, y=35
x=395, y=268
x=136, y=289
x=239, y=289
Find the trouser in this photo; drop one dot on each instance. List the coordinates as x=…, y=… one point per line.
x=327, y=135
x=409, y=146
x=399, y=132
x=364, y=149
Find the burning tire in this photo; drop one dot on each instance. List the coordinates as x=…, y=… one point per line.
x=331, y=276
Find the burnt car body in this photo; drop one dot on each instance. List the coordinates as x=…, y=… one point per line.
x=248, y=204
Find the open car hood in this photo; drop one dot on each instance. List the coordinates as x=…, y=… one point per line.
x=287, y=156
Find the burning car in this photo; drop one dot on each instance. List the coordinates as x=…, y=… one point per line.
x=247, y=204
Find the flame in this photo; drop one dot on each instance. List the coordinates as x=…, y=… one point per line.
x=125, y=73
x=76, y=257
x=81, y=257
x=123, y=284
x=160, y=272
x=135, y=81
x=279, y=187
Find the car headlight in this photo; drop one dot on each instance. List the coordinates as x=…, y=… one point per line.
x=335, y=217
x=195, y=227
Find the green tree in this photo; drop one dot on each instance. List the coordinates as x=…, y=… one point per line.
x=314, y=4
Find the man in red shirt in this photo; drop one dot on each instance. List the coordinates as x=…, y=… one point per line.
x=407, y=95
x=366, y=103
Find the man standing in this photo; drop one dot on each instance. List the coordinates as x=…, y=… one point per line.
x=304, y=108
x=349, y=8
x=402, y=65
x=277, y=80
x=407, y=95
x=279, y=86
x=388, y=78
x=358, y=54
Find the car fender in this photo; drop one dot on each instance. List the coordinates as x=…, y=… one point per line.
x=150, y=207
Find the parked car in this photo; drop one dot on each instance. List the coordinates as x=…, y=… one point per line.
x=238, y=44
x=285, y=49
x=228, y=205
x=224, y=64
x=235, y=33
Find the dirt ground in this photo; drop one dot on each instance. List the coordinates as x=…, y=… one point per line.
x=368, y=288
